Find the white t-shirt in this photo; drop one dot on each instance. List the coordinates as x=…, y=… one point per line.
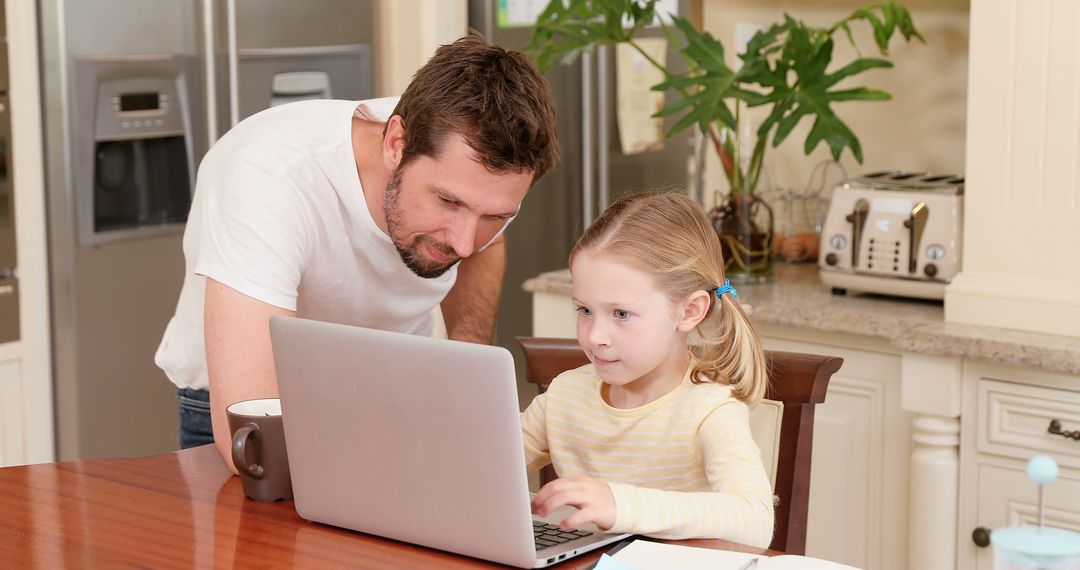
x=279, y=215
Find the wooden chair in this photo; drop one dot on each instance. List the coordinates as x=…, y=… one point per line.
x=782, y=425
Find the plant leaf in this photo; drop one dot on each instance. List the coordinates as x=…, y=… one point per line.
x=859, y=94
x=785, y=66
x=858, y=66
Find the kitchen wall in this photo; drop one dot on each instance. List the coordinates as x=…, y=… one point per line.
x=921, y=128
x=407, y=33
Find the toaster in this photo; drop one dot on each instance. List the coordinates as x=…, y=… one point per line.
x=893, y=232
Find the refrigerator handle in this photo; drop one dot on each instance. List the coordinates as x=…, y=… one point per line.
x=586, y=142
x=603, y=104
x=234, y=87
x=210, y=65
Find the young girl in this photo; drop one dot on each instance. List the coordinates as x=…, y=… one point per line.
x=653, y=436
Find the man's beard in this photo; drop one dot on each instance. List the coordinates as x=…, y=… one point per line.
x=420, y=265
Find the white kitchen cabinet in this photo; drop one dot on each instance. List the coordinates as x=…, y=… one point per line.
x=1006, y=415
x=859, y=472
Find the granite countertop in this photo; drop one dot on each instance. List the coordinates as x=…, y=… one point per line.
x=797, y=298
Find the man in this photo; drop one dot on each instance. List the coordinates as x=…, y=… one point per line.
x=362, y=213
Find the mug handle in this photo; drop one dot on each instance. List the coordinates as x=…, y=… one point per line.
x=247, y=432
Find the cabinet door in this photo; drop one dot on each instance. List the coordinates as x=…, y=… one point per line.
x=1007, y=497
x=860, y=461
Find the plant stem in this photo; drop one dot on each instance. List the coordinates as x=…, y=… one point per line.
x=725, y=156
x=753, y=172
x=736, y=176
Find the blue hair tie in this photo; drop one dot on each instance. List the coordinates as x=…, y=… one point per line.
x=726, y=288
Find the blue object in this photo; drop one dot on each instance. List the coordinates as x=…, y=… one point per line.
x=1042, y=469
x=1039, y=547
x=726, y=288
x=608, y=563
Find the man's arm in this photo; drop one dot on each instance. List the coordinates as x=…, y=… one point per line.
x=238, y=356
x=470, y=307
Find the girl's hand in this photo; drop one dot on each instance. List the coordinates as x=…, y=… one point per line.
x=592, y=497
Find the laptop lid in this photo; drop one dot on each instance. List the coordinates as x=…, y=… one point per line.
x=407, y=437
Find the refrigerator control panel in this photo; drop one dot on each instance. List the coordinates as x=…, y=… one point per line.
x=130, y=107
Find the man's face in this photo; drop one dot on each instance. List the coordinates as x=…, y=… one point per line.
x=441, y=210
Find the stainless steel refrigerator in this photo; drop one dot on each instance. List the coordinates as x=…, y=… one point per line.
x=593, y=172
x=135, y=92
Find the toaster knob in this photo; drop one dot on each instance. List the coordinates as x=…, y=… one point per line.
x=930, y=270
x=831, y=259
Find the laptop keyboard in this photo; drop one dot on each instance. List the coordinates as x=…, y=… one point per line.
x=547, y=534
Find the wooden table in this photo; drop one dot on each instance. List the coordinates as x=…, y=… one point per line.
x=184, y=510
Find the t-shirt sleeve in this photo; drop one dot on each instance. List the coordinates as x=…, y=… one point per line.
x=534, y=434
x=256, y=232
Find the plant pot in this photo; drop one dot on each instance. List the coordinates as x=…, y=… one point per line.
x=744, y=223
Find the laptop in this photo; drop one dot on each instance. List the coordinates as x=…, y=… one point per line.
x=414, y=439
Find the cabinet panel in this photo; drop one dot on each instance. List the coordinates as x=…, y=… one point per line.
x=1017, y=417
x=12, y=447
x=860, y=463
x=1007, y=497
x=845, y=484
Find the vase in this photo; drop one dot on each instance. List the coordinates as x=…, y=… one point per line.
x=744, y=224
x=799, y=217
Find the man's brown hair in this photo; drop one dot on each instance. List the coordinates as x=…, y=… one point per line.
x=493, y=97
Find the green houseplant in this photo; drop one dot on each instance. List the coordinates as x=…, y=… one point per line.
x=785, y=68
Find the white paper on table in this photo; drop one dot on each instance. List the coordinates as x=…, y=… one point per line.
x=645, y=555
x=639, y=131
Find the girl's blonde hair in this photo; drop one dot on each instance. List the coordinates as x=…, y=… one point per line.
x=667, y=235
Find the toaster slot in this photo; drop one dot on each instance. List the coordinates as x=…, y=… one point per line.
x=857, y=218
x=916, y=224
x=907, y=175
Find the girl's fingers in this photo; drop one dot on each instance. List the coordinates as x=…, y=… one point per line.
x=573, y=492
x=577, y=519
x=553, y=495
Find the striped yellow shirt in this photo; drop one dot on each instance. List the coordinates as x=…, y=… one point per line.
x=682, y=466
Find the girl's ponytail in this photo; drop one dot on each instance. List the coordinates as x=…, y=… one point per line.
x=730, y=351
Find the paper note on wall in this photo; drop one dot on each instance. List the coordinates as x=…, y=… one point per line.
x=636, y=103
x=523, y=13
x=518, y=13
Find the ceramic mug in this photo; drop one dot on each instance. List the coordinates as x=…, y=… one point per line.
x=258, y=449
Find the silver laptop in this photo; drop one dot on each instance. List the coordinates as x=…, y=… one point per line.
x=414, y=439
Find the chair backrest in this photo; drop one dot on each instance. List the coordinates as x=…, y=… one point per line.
x=797, y=383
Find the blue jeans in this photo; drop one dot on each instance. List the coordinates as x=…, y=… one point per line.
x=195, y=427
